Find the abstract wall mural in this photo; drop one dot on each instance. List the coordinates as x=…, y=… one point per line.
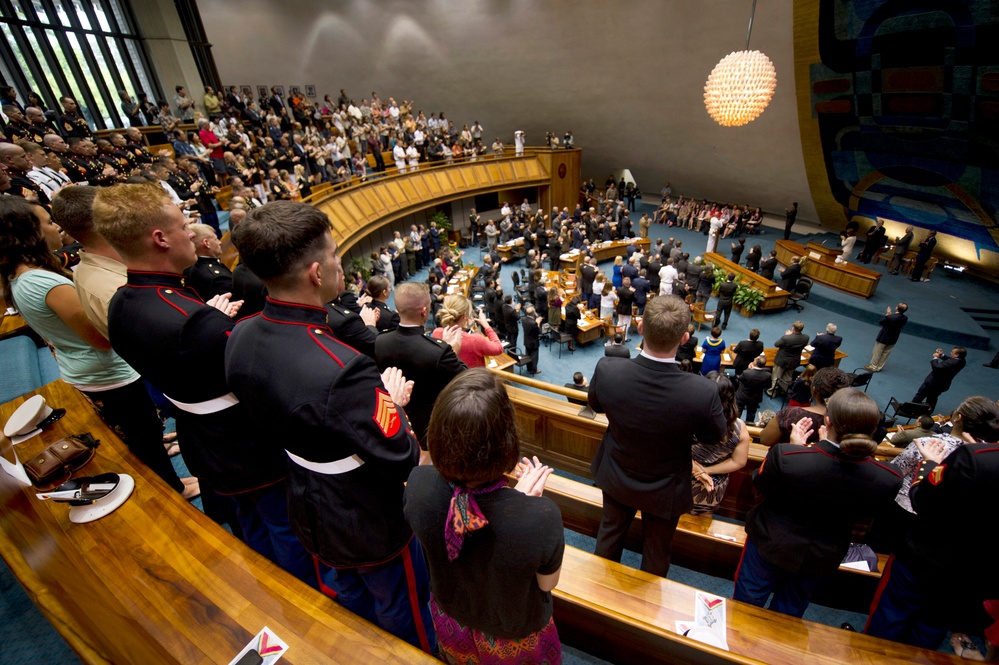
x=899, y=106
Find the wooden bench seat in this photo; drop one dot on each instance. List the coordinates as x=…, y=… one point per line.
x=158, y=582
x=704, y=544
x=627, y=616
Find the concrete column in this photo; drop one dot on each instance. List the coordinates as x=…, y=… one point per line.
x=167, y=45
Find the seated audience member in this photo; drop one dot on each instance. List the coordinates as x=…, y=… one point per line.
x=430, y=363
x=44, y=294
x=379, y=290
x=475, y=346
x=579, y=383
x=615, y=348
x=348, y=442
x=825, y=382
x=937, y=580
x=925, y=426
x=208, y=276
x=813, y=495
x=746, y=352
x=824, y=347
x=752, y=383
x=177, y=343
x=800, y=393
x=494, y=553
x=714, y=461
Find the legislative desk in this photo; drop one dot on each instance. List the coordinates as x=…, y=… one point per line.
x=821, y=267
x=157, y=581
x=12, y=324
x=511, y=249
x=590, y=326
x=774, y=298
x=728, y=357
x=603, y=251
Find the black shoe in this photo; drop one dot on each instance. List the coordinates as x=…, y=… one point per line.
x=990, y=365
x=848, y=627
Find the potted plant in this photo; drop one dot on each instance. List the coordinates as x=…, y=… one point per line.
x=361, y=265
x=748, y=299
x=444, y=224
x=719, y=278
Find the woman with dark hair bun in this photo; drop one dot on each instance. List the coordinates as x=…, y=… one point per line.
x=714, y=463
x=813, y=494
x=824, y=383
x=494, y=553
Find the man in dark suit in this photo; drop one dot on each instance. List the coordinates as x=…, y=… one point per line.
x=891, y=328
x=532, y=337
x=644, y=461
x=578, y=383
x=923, y=255
x=790, y=274
x=812, y=496
x=875, y=241
x=642, y=287
x=587, y=272
x=898, y=253
x=824, y=347
x=788, y=358
x=752, y=383
x=768, y=266
x=746, y=351
x=615, y=348
x=429, y=363
x=726, y=295
x=790, y=214
x=943, y=369
x=511, y=319
x=688, y=349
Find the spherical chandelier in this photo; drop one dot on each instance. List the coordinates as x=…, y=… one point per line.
x=741, y=85
x=739, y=88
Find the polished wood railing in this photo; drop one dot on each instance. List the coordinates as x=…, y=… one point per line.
x=157, y=581
x=358, y=207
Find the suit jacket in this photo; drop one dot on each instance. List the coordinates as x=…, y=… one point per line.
x=511, y=319
x=942, y=372
x=902, y=246
x=752, y=383
x=789, y=348
x=687, y=350
x=768, y=266
x=583, y=390
x=790, y=276
x=824, y=353
x=616, y=351
x=891, y=328
x=532, y=332
x=644, y=458
x=812, y=496
x=429, y=363
x=745, y=351
x=586, y=275
x=726, y=292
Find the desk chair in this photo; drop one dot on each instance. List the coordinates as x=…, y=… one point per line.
x=908, y=410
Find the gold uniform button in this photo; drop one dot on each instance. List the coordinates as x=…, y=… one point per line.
x=216, y=272
x=318, y=332
x=168, y=291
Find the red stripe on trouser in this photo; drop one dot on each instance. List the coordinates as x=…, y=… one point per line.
x=319, y=578
x=881, y=589
x=739, y=567
x=414, y=599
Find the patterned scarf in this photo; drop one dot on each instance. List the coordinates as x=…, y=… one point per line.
x=464, y=516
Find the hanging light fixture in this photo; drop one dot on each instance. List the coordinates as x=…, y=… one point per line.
x=740, y=86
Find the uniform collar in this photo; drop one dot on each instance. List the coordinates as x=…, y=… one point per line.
x=143, y=278
x=290, y=312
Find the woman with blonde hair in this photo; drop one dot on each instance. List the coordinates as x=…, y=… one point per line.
x=475, y=346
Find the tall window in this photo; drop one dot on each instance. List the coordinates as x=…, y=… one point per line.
x=85, y=49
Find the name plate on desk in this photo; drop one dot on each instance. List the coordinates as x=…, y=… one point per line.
x=814, y=255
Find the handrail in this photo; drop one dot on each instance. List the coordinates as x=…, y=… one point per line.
x=391, y=172
x=534, y=383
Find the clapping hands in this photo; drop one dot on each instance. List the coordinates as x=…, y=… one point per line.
x=222, y=303
x=532, y=475
x=802, y=430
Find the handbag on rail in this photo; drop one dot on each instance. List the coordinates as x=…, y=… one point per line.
x=57, y=463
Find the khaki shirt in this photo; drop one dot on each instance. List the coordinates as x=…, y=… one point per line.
x=97, y=279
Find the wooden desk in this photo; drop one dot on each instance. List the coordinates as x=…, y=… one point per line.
x=846, y=277
x=774, y=299
x=12, y=325
x=157, y=581
x=604, y=251
x=728, y=358
x=503, y=362
x=509, y=250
